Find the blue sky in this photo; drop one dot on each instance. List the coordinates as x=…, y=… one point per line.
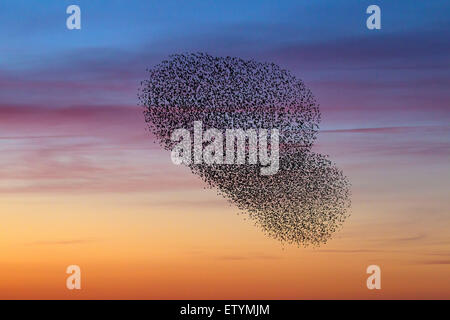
x=35, y=29
x=326, y=43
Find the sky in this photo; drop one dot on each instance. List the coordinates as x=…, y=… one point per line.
x=82, y=182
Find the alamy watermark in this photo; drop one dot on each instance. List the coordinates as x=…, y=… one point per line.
x=237, y=151
x=373, y=22
x=74, y=280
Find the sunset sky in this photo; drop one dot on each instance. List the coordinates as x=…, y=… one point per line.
x=82, y=181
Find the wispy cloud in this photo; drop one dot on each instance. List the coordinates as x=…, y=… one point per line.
x=235, y=257
x=63, y=242
x=433, y=262
x=398, y=129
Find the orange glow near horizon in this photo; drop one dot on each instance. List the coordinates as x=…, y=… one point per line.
x=188, y=243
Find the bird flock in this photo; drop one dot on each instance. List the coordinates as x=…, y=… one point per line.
x=308, y=199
